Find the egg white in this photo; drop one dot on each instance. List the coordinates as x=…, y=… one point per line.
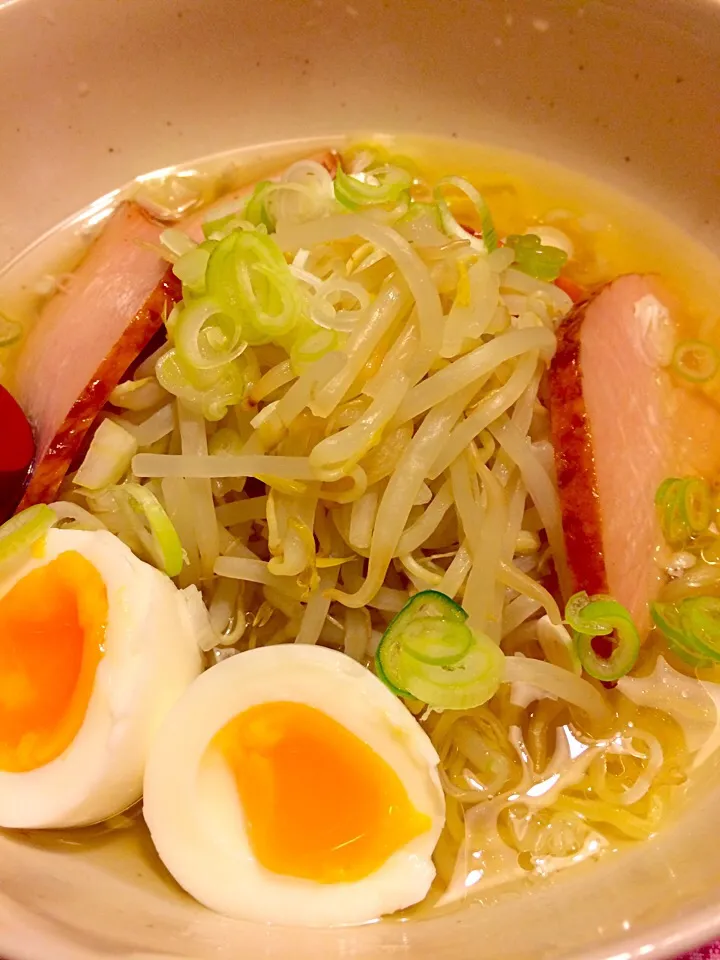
x=150, y=658
x=195, y=816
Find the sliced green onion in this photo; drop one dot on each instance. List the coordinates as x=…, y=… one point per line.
x=137, y=394
x=667, y=490
x=489, y=240
x=695, y=360
x=237, y=291
x=469, y=683
x=421, y=224
x=535, y=258
x=361, y=157
x=700, y=618
x=417, y=209
x=190, y=269
x=429, y=652
x=168, y=549
x=667, y=501
x=173, y=317
x=10, y=331
x=696, y=504
x=577, y=618
x=381, y=675
x=248, y=278
x=621, y=660
x=382, y=185
x=666, y=617
x=600, y=616
x=685, y=508
x=209, y=392
x=691, y=627
x=219, y=228
x=687, y=655
x=435, y=641
x=205, y=337
x=256, y=210
x=20, y=532
x=108, y=457
x=430, y=603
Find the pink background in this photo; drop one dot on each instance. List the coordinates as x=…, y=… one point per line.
x=710, y=952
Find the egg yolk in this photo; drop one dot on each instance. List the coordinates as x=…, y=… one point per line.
x=319, y=803
x=52, y=631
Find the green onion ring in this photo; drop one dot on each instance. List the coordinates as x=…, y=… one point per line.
x=626, y=650
x=580, y=622
x=435, y=641
x=167, y=543
x=695, y=360
x=20, y=532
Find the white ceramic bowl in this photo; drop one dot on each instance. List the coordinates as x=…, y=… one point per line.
x=97, y=91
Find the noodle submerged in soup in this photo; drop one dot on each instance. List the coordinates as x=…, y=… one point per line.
x=417, y=418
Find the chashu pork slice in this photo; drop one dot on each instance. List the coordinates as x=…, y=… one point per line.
x=87, y=336
x=91, y=332
x=610, y=413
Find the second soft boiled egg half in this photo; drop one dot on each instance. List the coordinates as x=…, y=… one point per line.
x=289, y=785
x=95, y=647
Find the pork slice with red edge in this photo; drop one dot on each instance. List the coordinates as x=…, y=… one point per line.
x=610, y=413
x=231, y=202
x=87, y=336
x=91, y=333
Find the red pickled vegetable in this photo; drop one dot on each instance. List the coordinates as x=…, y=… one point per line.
x=17, y=450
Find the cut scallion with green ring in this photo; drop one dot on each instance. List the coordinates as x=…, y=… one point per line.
x=700, y=620
x=256, y=210
x=167, y=543
x=576, y=616
x=695, y=360
x=602, y=616
x=250, y=282
x=428, y=652
x=667, y=502
x=691, y=627
x=696, y=504
x=666, y=617
x=431, y=603
x=685, y=508
x=207, y=338
x=20, y=532
x=424, y=606
x=489, y=240
x=381, y=185
x=435, y=641
x=468, y=683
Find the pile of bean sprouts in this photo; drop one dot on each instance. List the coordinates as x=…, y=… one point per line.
x=404, y=448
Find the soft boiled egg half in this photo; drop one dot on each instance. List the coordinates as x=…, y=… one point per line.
x=289, y=785
x=95, y=647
